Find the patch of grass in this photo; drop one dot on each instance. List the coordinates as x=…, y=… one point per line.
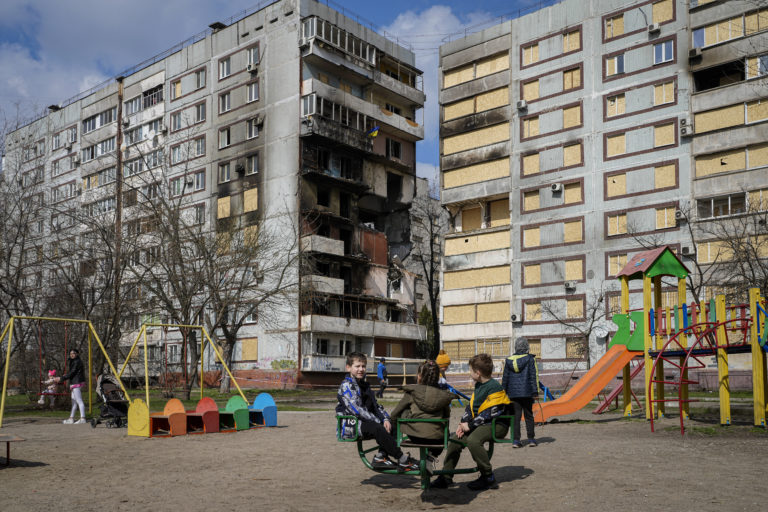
x=298, y=408
x=584, y=422
x=759, y=430
x=706, y=431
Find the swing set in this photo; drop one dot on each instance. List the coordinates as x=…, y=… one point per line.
x=7, y=333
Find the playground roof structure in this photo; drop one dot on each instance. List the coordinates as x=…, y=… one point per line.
x=655, y=262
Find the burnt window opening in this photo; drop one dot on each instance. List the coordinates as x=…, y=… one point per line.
x=321, y=346
x=322, y=269
x=323, y=197
x=346, y=275
x=394, y=187
x=394, y=149
x=344, y=203
x=346, y=237
x=394, y=315
x=324, y=230
x=718, y=76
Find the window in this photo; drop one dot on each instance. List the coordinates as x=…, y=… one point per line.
x=175, y=89
x=252, y=128
x=664, y=135
x=664, y=176
x=617, y=224
x=721, y=206
x=56, y=141
x=531, y=90
x=252, y=164
x=573, y=231
x=662, y=11
x=572, y=116
x=572, y=41
x=664, y=93
x=133, y=105
x=531, y=237
x=252, y=55
x=200, y=146
x=176, y=121
x=225, y=68
x=574, y=308
x=616, y=185
x=665, y=217
x=615, y=105
x=533, y=311
x=154, y=158
x=394, y=149
x=663, y=52
x=199, y=178
x=532, y=274
x=616, y=145
x=571, y=79
x=393, y=109
x=72, y=134
x=572, y=155
x=224, y=138
x=224, y=102
x=224, y=173
x=55, y=168
x=200, y=113
x=530, y=54
x=99, y=120
x=200, y=78
x=572, y=193
x=176, y=154
x=253, y=91
x=133, y=167
x=758, y=200
x=152, y=96
x=616, y=262
x=530, y=127
x=614, y=65
x=321, y=346
x=698, y=38
x=199, y=213
x=531, y=200
x=176, y=186
x=614, y=27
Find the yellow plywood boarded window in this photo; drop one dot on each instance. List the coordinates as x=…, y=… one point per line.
x=616, y=185
x=758, y=156
x=499, y=213
x=492, y=99
x=616, y=262
x=476, y=173
x=531, y=126
x=471, y=218
x=459, y=314
x=617, y=145
x=571, y=117
x=663, y=135
x=617, y=224
x=574, y=348
x=574, y=308
x=531, y=90
x=463, y=245
x=663, y=93
x=223, y=206
x=534, y=347
x=572, y=231
x=532, y=274
x=458, y=76
x=574, y=270
x=758, y=200
x=493, y=312
x=615, y=105
x=664, y=176
x=757, y=111
x=531, y=54
x=662, y=11
x=572, y=193
x=531, y=200
x=176, y=89
x=571, y=79
x=531, y=237
x=530, y=164
x=459, y=109
x=725, y=161
x=251, y=200
x=249, y=349
x=571, y=41
x=611, y=67
x=753, y=67
x=493, y=241
x=533, y=311
x=665, y=217
x=719, y=118
x=572, y=155
x=492, y=65
x=490, y=276
x=614, y=26
x=709, y=252
x=477, y=243
x=475, y=139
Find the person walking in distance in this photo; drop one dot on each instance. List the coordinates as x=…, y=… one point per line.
x=381, y=373
x=521, y=383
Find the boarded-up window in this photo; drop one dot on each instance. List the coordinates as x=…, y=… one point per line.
x=574, y=270
x=758, y=155
x=475, y=139
x=489, y=276
x=459, y=109
x=571, y=116
x=530, y=164
x=532, y=311
x=572, y=193
x=531, y=237
x=616, y=262
x=251, y=200
x=614, y=26
x=755, y=21
x=711, y=252
x=572, y=231
x=534, y=347
x=532, y=274
x=724, y=30
x=530, y=54
x=571, y=78
x=662, y=11
x=531, y=90
x=663, y=135
x=492, y=99
x=614, y=65
x=458, y=76
x=616, y=185
x=471, y=218
x=463, y=314
x=757, y=111
x=531, y=126
x=571, y=41
x=249, y=349
x=222, y=207
x=617, y=224
x=499, y=212
x=574, y=308
x=719, y=118
x=664, y=93
x=616, y=145
x=665, y=217
x=476, y=173
x=493, y=312
x=572, y=155
x=758, y=200
x=575, y=348
x=492, y=65
x=531, y=200
x=664, y=176
x=725, y=161
x=477, y=243
x=615, y=105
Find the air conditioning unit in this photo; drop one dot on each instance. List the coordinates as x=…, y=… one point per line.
x=654, y=27
x=685, y=121
x=679, y=215
x=127, y=122
x=76, y=160
x=190, y=181
x=556, y=187
x=240, y=168
x=570, y=285
x=68, y=147
x=686, y=249
x=516, y=317
x=694, y=53
x=522, y=104
x=252, y=68
x=686, y=131
x=164, y=130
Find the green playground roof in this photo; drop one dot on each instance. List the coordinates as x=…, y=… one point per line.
x=656, y=262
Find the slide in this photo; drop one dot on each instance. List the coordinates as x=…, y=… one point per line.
x=588, y=386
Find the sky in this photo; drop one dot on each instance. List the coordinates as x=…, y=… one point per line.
x=50, y=50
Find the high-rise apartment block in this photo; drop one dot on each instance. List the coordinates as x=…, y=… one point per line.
x=293, y=111
x=576, y=135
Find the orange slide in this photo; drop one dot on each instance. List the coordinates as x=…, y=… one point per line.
x=588, y=386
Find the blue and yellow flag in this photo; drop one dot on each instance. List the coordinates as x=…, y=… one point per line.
x=373, y=132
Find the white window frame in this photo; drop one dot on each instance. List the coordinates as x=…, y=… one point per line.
x=666, y=54
x=252, y=128
x=253, y=91
x=200, y=113
x=250, y=168
x=225, y=102
x=252, y=56
x=200, y=78
x=225, y=68
x=199, y=178
x=176, y=121
x=225, y=138
x=225, y=172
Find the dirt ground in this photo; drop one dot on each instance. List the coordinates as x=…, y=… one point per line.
x=583, y=463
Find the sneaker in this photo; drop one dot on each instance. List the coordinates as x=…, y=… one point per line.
x=517, y=444
x=410, y=464
x=68, y=421
x=41, y=401
x=441, y=483
x=533, y=443
x=483, y=483
x=379, y=462
x=80, y=421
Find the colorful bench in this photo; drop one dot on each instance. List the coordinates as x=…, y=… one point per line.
x=234, y=416
x=263, y=411
x=171, y=422
x=204, y=419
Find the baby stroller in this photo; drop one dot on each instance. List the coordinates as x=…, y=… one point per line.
x=114, y=410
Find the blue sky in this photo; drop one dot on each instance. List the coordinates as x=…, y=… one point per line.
x=52, y=49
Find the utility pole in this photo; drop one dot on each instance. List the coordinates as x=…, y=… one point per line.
x=118, y=210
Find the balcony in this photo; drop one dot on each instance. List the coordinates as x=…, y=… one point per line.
x=323, y=284
x=321, y=244
x=333, y=130
x=361, y=327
